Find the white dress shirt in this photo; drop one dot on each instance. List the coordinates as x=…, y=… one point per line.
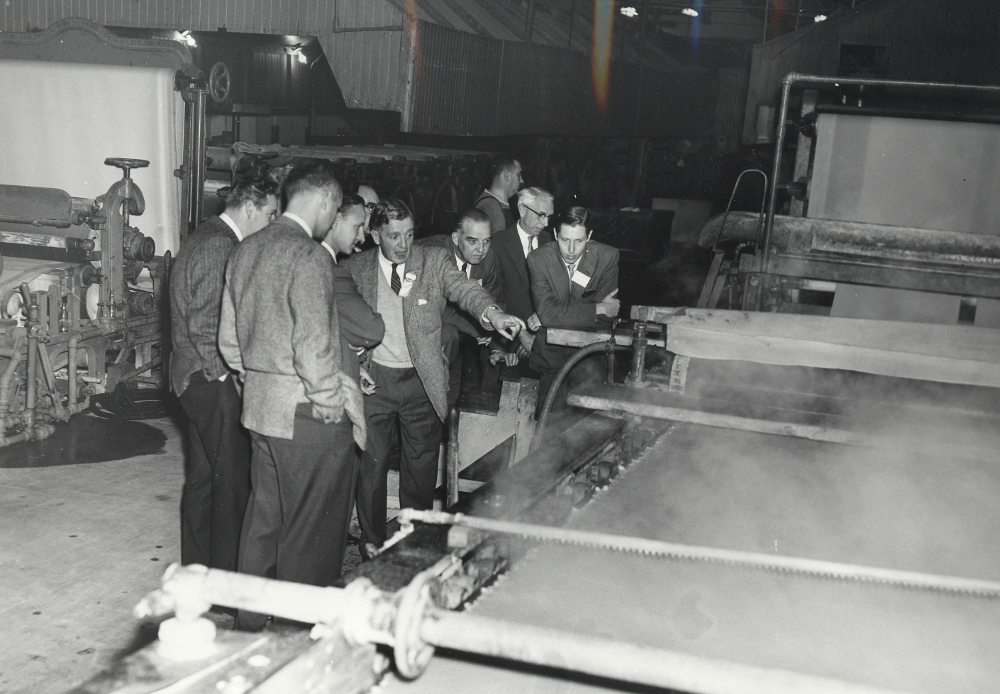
x=386, y=266
x=301, y=222
x=329, y=249
x=232, y=225
x=528, y=242
x=467, y=264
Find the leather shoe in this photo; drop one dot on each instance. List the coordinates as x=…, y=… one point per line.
x=368, y=550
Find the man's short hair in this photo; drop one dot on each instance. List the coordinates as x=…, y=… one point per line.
x=389, y=209
x=315, y=174
x=255, y=189
x=530, y=196
x=472, y=216
x=503, y=165
x=574, y=216
x=350, y=200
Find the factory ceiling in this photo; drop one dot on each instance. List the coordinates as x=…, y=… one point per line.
x=669, y=34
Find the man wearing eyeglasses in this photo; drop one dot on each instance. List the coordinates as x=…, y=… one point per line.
x=512, y=246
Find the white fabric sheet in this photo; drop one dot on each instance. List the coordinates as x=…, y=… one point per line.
x=60, y=121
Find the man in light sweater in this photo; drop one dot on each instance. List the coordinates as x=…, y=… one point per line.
x=409, y=286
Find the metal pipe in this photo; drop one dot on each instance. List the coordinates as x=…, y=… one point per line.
x=198, y=146
x=411, y=625
x=16, y=356
x=74, y=340
x=50, y=381
x=618, y=660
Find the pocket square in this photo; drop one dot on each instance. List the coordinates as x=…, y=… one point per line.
x=421, y=302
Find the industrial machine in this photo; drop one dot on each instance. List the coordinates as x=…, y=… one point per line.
x=886, y=212
x=82, y=279
x=782, y=500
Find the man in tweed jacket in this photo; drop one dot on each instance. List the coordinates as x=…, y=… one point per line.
x=217, y=465
x=279, y=330
x=409, y=286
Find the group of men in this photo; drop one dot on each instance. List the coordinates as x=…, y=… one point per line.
x=299, y=360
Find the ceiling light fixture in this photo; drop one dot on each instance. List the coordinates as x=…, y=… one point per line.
x=690, y=12
x=819, y=18
x=185, y=37
x=630, y=12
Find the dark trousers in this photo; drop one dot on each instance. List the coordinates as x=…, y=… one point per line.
x=216, y=474
x=399, y=407
x=300, y=505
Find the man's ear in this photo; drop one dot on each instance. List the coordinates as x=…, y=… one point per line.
x=375, y=237
x=455, y=236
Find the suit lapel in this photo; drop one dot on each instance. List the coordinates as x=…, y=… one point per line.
x=369, y=287
x=415, y=265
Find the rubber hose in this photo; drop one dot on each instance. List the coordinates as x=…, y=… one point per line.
x=550, y=397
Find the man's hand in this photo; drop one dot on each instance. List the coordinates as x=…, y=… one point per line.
x=504, y=323
x=525, y=339
x=509, y=358
x=609, y=306
x=483, y=341
x=533, y=322
x=367, y=384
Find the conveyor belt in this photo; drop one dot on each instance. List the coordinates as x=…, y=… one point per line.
x=762, y=493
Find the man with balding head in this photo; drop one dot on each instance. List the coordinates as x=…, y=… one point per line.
x=495, y=200
x=469, y=245
x=279, y=331
x=512, y=246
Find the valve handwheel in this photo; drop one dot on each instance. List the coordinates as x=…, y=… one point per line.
x=219, y=83
x=126, y=164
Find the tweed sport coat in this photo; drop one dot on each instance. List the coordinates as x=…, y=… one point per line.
x=196, y=279
x=279, y=330
x=437, y=281
x=564, y=304
x=485, y=273
x=513, y=270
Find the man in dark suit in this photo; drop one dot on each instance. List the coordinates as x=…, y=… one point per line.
x=409, y=286
x=217, y=466
x=469, y=246
x=280, y=331
x=574, y=283
x=360, y=327
x=512, y=246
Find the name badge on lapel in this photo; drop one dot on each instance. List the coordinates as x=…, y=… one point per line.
x=580, y=278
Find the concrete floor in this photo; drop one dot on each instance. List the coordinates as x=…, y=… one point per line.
x=80, y=544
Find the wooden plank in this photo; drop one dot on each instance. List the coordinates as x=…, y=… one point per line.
x=948, y=354
x=582, y=338
x=646, y=403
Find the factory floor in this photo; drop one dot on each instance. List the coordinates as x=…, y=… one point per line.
x=89, y=521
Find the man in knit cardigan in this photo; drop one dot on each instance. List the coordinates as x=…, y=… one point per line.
x=409, y=286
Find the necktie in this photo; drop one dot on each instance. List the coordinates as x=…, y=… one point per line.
x=395, y=283
x=531, y=244
x=569, y=270
x=465, y=269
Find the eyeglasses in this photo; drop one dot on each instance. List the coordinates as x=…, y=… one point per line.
x=541, y=215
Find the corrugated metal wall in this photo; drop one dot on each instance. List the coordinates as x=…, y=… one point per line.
x=461, y=84
x=930, y=40
x=370, y=66
x=471, y=85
